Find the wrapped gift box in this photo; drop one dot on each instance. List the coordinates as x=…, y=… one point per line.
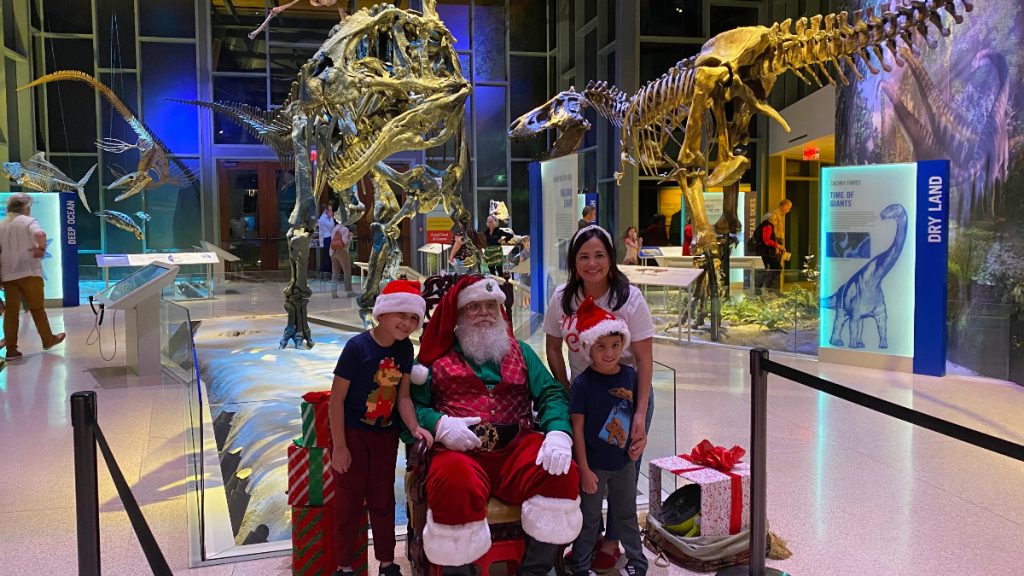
x=316, y=425
x=724, y=496
x=310, y=481
x=313, y=541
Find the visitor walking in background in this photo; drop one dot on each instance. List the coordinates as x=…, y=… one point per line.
x=341, y=260
x=770, y=247
x=22, y=247
x=326, y=227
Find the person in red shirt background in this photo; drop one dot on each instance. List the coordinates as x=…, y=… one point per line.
x=771, y=247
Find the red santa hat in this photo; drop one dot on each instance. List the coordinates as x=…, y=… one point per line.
x=592, y=322
x=439, y=335
x=400, y=296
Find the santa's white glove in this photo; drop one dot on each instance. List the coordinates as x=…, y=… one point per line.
x=455, y=434
x=555, y=453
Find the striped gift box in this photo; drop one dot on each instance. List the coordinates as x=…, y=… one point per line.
x=313, y=541
x=361, y=563
x=310, y=482
x=316, y=425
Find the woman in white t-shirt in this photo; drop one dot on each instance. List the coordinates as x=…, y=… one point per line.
x=592, y=271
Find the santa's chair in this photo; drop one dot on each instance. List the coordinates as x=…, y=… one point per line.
x=508, y=541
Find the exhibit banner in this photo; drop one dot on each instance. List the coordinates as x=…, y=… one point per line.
x=56, y=215
x=553, y=217
x=883, y=266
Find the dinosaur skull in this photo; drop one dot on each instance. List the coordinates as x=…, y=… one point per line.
x=563, y=112
x=388, y=80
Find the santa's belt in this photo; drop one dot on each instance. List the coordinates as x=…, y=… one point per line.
x=494, y=436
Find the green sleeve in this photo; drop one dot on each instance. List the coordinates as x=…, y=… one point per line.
x=549, y=396
x=425, y=414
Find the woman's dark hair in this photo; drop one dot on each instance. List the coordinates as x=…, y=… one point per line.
x=618, y=284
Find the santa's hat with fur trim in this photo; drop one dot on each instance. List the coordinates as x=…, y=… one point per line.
x=400, y=296
x=592, y=322
x=439, y=335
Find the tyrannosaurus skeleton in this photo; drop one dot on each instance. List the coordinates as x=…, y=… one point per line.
x=740, y=67
x=385, y=80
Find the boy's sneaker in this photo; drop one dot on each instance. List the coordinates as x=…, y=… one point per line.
x=632, y=570
x=13, y=355
x=603, y=561
x=392, y=570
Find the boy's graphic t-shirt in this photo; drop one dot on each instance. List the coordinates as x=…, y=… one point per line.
x=374, y=373
x=606, y=403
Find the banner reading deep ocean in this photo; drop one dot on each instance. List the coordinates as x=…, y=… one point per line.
x=56, y=216
x=883, y=266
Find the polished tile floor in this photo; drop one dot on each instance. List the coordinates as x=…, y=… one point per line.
x=853, y=492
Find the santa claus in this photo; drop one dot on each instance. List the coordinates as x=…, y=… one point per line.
x=479, y=397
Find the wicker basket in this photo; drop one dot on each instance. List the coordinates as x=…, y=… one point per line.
x=663, y=548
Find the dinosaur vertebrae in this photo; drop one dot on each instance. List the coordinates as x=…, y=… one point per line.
x=810, y=46
x=271, y=127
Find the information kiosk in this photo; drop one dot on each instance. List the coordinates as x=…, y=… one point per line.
x=138, y=294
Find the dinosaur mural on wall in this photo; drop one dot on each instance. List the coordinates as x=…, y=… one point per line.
x=740, y=67
x=861, y=297
x=935, y=128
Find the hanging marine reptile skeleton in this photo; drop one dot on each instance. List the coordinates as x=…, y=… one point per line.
x=386, y=80
x=740, y=67
x=154, y=166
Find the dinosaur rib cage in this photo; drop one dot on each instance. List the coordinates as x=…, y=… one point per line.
x=657, y=110
x=810, y=47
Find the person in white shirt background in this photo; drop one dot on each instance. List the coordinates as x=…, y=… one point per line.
x=22, y=247
x=326, y=227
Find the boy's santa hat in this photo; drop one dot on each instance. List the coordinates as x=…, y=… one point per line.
x=439, y=335
x=592, y=322
x=400, y=296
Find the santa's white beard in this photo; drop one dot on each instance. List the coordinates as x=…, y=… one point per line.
x=484, y=344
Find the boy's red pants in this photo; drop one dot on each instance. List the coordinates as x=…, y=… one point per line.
x=371, y=476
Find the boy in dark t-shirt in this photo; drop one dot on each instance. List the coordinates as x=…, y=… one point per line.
x=601, y=409
x=371, y=379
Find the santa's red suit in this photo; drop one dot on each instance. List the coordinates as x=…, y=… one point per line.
x=520, y=461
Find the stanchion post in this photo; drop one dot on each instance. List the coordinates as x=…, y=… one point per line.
x=758, y=478
x=87, y=505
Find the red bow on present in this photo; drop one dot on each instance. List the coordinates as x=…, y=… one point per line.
x=317, y=397
x=717, y=457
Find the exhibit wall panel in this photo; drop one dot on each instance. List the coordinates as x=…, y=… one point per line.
x=961, y=101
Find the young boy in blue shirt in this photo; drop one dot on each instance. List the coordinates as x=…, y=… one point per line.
x=600, y=408
x=371, y=379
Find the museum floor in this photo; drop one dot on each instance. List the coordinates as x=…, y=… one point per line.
x=850, y=490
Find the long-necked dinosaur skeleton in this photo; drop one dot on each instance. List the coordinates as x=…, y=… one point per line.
x=384, y=81
x=154, y=166
x=740, y=67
